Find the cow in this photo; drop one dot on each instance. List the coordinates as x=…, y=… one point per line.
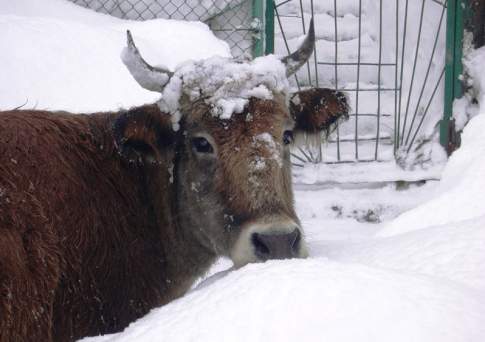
x=108, y=215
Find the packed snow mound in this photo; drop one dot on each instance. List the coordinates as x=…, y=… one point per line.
x=461, y=194
x=224, y=84
x=453, y=252
x=474, y=63
x=68, y=58
x=316, y=300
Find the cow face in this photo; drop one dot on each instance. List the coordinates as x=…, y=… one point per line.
x=237, y=181
x=231, y=173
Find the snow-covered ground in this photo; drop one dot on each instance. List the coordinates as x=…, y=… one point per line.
x=62, y=56
x=389, y=261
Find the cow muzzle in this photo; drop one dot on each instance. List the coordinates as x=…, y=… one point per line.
x=267, y=240
x=276, y=246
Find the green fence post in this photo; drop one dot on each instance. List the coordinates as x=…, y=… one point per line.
x=457, y=60
x=269, y=27
x=257, y=27
x=449, y=72
x=453, y=66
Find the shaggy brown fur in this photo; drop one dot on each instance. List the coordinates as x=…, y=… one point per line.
x=83, y=251
x=105, y=216
x=318, y=109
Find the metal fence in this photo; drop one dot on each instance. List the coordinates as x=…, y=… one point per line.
x=393, y=75
x=239, y=22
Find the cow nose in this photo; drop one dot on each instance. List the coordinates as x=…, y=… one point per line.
x=276, y=245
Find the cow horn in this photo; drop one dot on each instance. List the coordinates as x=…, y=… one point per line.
x=294, y=61
x=149, y=77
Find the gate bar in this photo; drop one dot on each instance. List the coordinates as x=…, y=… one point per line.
x=427, y=73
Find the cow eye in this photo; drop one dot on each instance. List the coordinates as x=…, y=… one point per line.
x=287, y=137
x=201, y=145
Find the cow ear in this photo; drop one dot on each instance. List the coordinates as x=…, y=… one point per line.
x=141, y=134
x=318, y=110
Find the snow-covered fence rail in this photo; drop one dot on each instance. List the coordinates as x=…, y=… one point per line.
x=237, y=22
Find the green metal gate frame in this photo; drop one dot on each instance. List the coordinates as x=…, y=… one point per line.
x=457, y=13
x=263, y=42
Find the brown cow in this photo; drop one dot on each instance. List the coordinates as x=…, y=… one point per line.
x=106, y=216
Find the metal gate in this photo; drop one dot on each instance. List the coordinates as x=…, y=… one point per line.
x=389, y=57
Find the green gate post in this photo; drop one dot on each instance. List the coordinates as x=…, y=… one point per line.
x=257, y=27
x=456, y=10
x=263, y=27
x=269, y=27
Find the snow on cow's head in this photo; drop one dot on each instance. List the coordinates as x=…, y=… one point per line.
x=226, y=85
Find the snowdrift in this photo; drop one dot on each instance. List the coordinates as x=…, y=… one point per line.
x=316, y=300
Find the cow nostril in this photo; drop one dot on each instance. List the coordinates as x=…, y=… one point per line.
x=276, y=245
x=261, y=249
x=295, y=240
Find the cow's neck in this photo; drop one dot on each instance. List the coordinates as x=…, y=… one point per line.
x=186, y=258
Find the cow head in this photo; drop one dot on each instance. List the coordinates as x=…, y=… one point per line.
x=230, y=128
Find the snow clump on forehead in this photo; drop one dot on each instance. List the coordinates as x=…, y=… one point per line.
x=224, y=84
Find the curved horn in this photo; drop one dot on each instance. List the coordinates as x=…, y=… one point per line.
x=294, y=61
x=149, y=77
